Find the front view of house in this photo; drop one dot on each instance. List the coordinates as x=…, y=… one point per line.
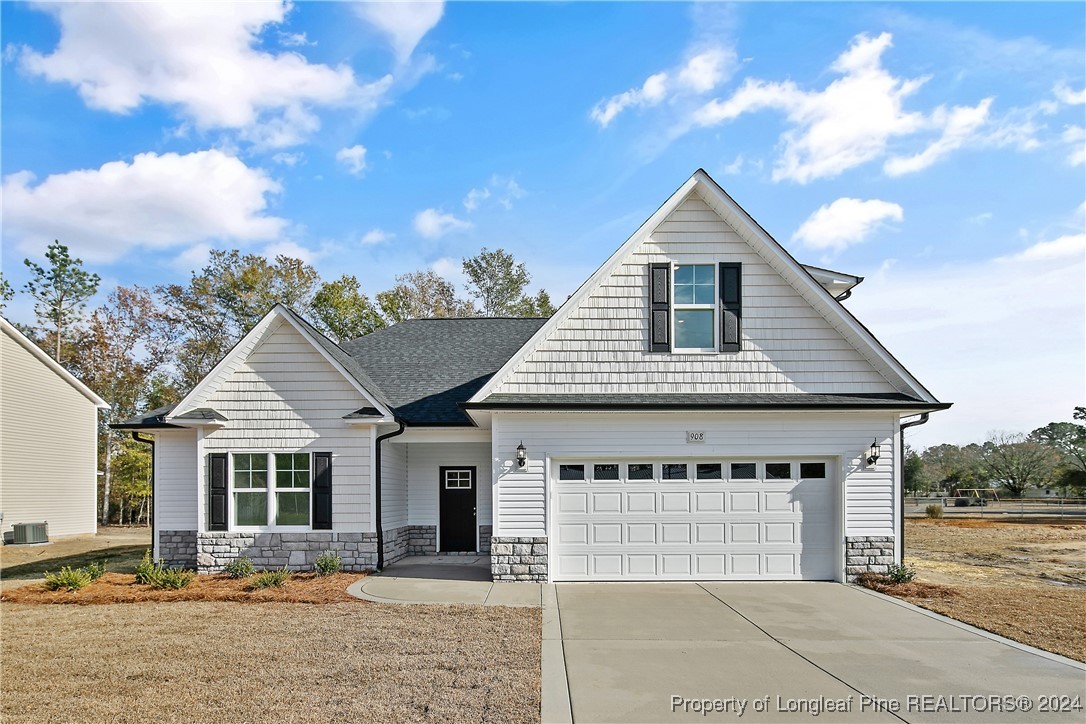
x=702, y=408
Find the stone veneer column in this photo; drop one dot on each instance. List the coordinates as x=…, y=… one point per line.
x=518, y=559
x=868, y=554
x=177, y=548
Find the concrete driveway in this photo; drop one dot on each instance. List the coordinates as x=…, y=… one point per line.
x=781, y=652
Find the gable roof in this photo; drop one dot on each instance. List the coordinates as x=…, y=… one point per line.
x=28, y=344
x=772, y=253
x=427, y=367
x=705, y=401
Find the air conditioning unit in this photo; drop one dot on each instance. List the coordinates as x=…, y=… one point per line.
x=30, y=533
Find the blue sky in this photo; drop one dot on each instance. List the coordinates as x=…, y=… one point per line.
x=936, y=149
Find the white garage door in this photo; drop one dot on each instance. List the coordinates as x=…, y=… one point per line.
x=693, y=520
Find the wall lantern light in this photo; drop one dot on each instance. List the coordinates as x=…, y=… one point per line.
x=873, y=452
x=522, y=455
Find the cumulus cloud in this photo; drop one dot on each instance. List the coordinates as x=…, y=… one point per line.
x=200, y=58
x=376, y=236
x=1070, y=246
x=1069, y=97
x=503, y=189
x=846, y=222
x=354, y=158
x=651, y=92
x=960, y=125
x=403, y=23
x=705, y=71
x=1075, y=138
x=433, y=224
x=156, y=201
x=476, y=197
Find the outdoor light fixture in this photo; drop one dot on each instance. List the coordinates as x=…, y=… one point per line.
x=873, y=452
x=522, y=455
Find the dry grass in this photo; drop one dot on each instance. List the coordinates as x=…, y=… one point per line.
x=911, y=590
x=193, y=661
x=1023, y=581
x=120, y=547
x=122, y=588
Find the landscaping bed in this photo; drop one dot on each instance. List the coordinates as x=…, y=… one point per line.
x=1025, y=581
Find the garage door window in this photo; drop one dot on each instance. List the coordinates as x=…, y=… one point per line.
x=605, y=471
x=744, y=471
x=639, y=471
x=812, y=470
x=674, y=471
x=571, y=472
x=709, y=471
x=778, y=471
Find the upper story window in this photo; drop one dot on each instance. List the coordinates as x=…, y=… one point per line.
x=695, y=302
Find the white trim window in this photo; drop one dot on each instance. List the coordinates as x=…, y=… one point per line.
x=695, y=307
x=271, y=490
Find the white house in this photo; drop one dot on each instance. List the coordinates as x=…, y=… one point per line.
x=703, y=407
x=48, y=440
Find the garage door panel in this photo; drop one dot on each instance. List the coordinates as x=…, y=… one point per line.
x=572, y=533
x=637, y=533
x=641, y=502
x=709, y=532
x=610, y=502
x=675, y=502
x=641, y=565
x=711, y=502
x=744, y=533
x=674, y=533
x=573, y=502
x=604, y=533
x=779, y=533
x=743, y=502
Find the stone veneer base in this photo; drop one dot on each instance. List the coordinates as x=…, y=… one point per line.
x=868, y=554
x=177, y=548
x=296, y=551
x=518, y=559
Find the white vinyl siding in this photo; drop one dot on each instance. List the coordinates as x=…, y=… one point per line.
x=393, y=484
x=287, y=398
x=425, y=459
x=176, y=480
x=869, y=493
x=48, y=446
x=787, y=346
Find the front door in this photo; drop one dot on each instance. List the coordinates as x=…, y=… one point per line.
x=457, y=509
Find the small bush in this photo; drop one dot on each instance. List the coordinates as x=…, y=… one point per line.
x=270, y=579
x=95, y=570
x=328, y=563
x=67, y=579
x=240, y=568
x=934, y=511
x=900, y=573
x=147, y=570
x=174, y=578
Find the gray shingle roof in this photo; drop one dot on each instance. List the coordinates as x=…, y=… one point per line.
x=151, y=418
x=426, y=367
x=735, y=401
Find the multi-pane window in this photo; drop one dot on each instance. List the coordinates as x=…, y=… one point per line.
x=639, y=471
x=284, y=502
x=605, y=471
x=778, y=471
x=457, y=479
x=571, y=472
x=695, y=301
x=709, y=471
x=674, y=471
x=744, y=471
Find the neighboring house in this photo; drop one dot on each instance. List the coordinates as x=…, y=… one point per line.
x=703, y=407
x=48, y=441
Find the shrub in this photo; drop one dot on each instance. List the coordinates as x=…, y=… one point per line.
x=67, y=579
x=147, y=570
x=270, y=579
x=174, y=578
x=240, y=568
x=95, y=570
x=934, y=511
x=900, y=573
x=328, y=563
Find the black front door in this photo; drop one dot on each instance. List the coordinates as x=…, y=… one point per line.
x=457, y=508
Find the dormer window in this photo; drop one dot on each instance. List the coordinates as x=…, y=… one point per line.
x=695, y=303
x=695, y=307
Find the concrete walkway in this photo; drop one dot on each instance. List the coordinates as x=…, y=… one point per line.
x=656, y=652
x=444, y=579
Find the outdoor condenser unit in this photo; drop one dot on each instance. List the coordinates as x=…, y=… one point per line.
x=31, y=533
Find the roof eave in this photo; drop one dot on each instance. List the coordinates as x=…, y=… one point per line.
x=912, y=407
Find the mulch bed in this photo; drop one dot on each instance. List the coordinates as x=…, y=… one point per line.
x=122, y=588
x=911, y=590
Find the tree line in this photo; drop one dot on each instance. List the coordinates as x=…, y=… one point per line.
x=1053, y=456
x=146, y=347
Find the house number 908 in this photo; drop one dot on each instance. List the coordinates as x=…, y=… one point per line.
x=695, y=436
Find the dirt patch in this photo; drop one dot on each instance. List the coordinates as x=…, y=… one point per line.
x=189, y=661
x=122, y=588
x=120, y=547
x=1023, y=581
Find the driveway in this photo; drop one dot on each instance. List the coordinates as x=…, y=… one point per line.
x=783, y=652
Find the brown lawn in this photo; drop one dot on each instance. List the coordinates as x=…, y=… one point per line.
x=1025, y=581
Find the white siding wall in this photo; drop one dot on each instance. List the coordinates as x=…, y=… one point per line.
x=393, y=484
x=286, y=397
x=787, y=345
x=177, y=482
x=423, y=461
x=48, y=446
x=869, y=493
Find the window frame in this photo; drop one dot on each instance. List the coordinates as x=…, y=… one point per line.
x=271, y=491
x=714, y=307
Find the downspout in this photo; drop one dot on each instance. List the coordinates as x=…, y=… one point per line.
x=901, y=463
x=377, y=489
x=154, y=503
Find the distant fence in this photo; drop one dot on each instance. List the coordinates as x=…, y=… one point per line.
x=982, y=508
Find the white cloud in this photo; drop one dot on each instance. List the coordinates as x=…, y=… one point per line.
x=476, y=197
x=1069, y=97
x=1075, y=137
x=376, y=236
x=980, y=219
x=1070, y=246
x=404, y=23
x=432, y=224
x=450, y=269
x=705, y=70
x=288, y=159
x=504, y=189
x=960, y=126
x=294, y=40
x=846, y=222
x=972, y=327
x=293, y=250
x=735, y=167
x=200, y=58
x=651, y=92
x=354, y=158
x=154, y=201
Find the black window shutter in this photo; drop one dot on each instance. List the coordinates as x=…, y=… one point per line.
x=731, y=306
x=322, y=491
x=219, y=497
x=660, y=307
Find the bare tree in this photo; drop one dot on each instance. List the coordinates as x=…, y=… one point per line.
x=1016, y=462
